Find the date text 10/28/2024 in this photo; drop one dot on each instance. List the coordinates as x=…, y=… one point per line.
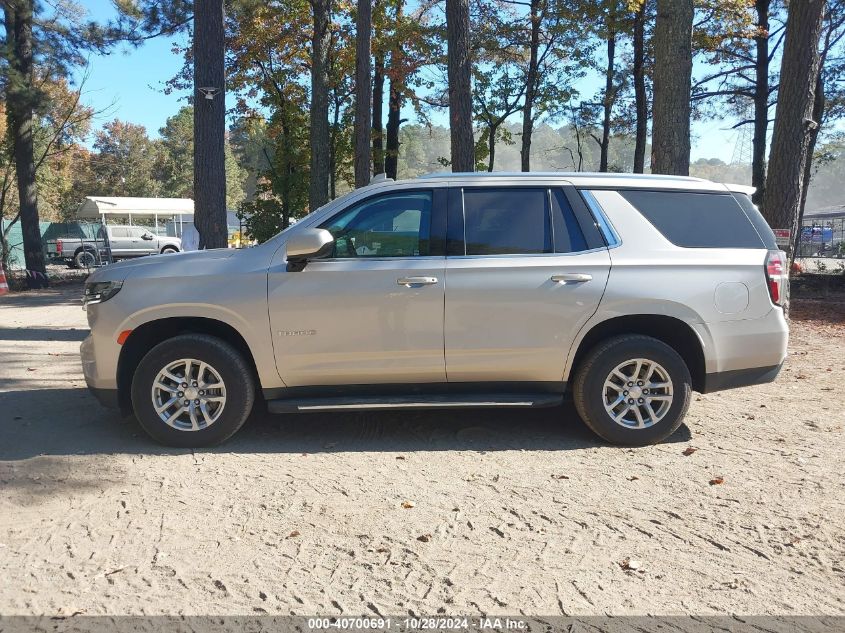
x=418, y=624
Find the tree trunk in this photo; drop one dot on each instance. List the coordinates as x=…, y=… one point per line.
x=608, y=98
x=761, y=101
x=640, y=96
x=394, y=109
x=21, y=99
x=460, y=89
x=394, y=101
x=378, y=121
x=670, y=146
x=818, y=114
x=530, y=86
x=491, y=146
x=209, y=125
x=318, y=190
x=334, y=138
x=363, y=92
x=793, y=118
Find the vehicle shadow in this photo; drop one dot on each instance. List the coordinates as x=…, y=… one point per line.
x=55, y=422
x=59, y=295
x=42, y=334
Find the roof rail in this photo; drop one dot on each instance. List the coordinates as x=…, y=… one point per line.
x=554, y=174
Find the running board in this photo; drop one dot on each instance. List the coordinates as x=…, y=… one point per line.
x=451, y=401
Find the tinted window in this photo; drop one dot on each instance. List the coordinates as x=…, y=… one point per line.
x=396, y=225
x=568, y=236
x=696, y=220
x=763, y=228
x=506, y=221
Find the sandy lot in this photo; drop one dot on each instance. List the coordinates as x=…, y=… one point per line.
x=512, y=512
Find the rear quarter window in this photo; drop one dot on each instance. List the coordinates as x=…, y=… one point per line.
x=696, y=220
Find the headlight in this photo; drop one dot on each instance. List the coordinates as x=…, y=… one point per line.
x=97, y=292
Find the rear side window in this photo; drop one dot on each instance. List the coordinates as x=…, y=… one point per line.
x=568, y=236
x=507, y=221
x=696, y=220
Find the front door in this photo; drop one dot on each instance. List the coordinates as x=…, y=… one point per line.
x=525, y=271
x=372, y=312
x=143, y=241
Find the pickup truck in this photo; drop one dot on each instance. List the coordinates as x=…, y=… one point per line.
x=122, y=242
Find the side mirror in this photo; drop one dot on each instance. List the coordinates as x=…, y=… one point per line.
x=146, y=236
x=307, y=244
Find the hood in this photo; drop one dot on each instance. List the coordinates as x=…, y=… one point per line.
x=173, y=264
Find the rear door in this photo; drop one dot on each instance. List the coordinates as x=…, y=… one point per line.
x=526, y=268
x=120, y=241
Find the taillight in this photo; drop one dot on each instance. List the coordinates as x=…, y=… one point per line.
x=777, y=276
x=59, y=247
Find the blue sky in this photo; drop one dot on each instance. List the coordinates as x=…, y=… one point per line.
x=129, y=84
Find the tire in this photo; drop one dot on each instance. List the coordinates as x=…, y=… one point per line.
x=197, y=425
x=84, y=258
x=167, y=250
x=669, y=402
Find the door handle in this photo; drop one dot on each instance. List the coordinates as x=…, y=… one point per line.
x=573, y=277
x=416, y=281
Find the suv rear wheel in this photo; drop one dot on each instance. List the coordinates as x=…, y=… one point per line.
x=633, y=390
x=192, y=390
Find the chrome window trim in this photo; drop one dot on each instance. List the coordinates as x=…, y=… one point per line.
x=364, y=258
x=602, y=221
x=539, y=255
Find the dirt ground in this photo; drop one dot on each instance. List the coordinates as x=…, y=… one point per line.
x=512, y=513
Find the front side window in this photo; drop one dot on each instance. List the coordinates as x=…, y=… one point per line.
x=507, y=221
x=393, y=225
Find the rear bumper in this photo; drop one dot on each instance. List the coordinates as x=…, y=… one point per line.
x=752, y=345
x=740, y=378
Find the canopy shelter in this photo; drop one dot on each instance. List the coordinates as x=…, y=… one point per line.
x=106, y=208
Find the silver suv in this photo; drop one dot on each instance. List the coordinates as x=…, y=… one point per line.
x=454, y=291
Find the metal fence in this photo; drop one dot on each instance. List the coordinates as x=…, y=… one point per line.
x=822, y=238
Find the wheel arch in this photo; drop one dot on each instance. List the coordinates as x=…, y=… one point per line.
x=169, y=247
x=675, y=332
x=151, y=333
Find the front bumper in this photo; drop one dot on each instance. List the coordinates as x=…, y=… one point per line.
x=106, y=397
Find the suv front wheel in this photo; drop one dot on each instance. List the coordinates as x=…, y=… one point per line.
x=192, y=390
x=632, y=390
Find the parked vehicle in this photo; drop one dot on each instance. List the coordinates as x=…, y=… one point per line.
x=122, y=242
x=454, y=291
